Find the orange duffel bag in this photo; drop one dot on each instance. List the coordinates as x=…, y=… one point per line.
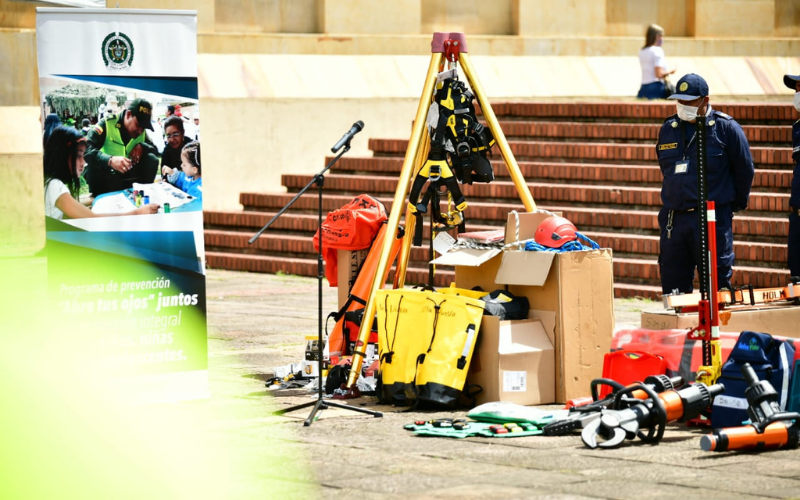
x=351, y=227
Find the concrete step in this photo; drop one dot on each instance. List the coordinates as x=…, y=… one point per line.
x=635, y=261
x=746, y=113
x=275, y=244
x=746, y=252
x=622, y=244
x=594, y=173
x=773, y=157
x=632, y=291
x=647, y=272
x=414, y=276
x=494, y=214
x=634, y=132
x=583, y=194
x=308, y=267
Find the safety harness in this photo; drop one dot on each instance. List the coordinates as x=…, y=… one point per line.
x=458, y=150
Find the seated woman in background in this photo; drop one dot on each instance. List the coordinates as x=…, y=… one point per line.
x=654, y=65
x=63, y=167
x=190, y=179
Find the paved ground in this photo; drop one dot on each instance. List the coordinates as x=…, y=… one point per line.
x=258, y=321
x=66, y=436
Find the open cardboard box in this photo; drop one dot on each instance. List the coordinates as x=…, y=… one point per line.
x=514, y=361
x=777, y=319
x=349, y=263
x=571, y=292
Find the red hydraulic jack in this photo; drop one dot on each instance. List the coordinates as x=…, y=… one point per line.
x=707, y=329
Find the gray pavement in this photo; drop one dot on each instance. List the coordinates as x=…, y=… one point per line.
x=257, y=322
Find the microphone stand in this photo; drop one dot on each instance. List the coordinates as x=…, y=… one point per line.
x=320, y=403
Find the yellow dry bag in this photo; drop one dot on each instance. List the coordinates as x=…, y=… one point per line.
x=426, y=340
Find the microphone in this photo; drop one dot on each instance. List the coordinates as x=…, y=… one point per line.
x=356, y=128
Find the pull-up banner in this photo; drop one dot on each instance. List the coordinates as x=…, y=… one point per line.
x=125, y=251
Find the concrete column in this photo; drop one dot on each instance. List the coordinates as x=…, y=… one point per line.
x=472, y=17
x=740, y=18
x=204, y=8
x=22, y=210
x=266, y=16
x=563, y=18
x=369, y=16
x=631, y=17
x=787, y=18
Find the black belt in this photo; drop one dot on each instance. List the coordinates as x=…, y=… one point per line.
x=684, y=211
x=793, y=210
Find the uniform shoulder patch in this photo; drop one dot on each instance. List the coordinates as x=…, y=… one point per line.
x=723, y=115
x=669, y=145
x=98, y=129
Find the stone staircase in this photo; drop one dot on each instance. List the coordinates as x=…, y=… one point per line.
x=594, y=162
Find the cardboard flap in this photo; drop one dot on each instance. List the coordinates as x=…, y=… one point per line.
x=530, y=338
x=524, y=268
x=466, y=257
x=528, y=222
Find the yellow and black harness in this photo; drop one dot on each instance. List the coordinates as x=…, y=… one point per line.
x=459, y=145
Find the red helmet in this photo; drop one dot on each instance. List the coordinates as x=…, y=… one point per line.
x=554, y=232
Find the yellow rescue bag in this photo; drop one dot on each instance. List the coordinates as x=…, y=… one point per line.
x=426, y=340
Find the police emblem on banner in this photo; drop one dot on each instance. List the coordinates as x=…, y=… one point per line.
x=117, y=51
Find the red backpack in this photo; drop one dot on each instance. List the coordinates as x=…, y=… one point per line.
x=351, y=227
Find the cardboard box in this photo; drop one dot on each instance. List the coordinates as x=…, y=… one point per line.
x=349, y=263
x=514, y=361
x=572, y=293
x=780, y=320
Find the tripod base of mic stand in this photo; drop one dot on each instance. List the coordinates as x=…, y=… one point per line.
x=321, y=404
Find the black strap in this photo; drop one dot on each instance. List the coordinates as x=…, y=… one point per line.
x=388, y=355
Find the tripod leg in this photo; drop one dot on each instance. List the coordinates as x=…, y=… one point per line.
x=374, y=413
x=293, y=408
x=398, y=206
x=511, y=162
x=318, y=405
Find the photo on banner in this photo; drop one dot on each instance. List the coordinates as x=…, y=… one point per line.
x=123, y=193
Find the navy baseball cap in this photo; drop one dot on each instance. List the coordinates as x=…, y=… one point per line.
x=690, y=87
x=791, y=81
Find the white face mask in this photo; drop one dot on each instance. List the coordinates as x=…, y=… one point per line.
x=796, y=101
x=687, y=113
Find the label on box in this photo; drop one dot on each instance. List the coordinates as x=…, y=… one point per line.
x=442, y=243
x=515, y=381
x=312, y=348
x=730, y=402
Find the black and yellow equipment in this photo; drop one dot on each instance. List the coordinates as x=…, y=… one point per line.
x=417, y=154
x=458, y=153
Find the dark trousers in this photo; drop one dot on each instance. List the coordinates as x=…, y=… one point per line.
x=102, y=179
x=680, y=252
x=655, y=90
x=794, y=244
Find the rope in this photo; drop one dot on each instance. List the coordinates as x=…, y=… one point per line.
x=570, y=246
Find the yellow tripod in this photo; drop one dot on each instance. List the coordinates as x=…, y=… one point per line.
x=413, y=162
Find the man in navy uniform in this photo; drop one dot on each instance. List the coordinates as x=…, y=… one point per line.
x=729, y=170
x=793, y=82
